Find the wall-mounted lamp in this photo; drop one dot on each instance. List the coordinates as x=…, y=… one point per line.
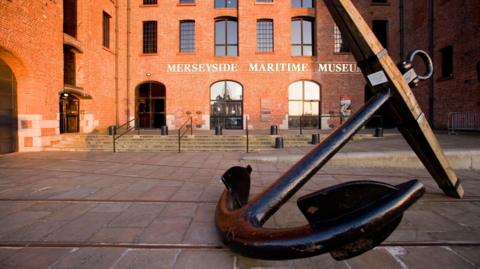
x=148, y=74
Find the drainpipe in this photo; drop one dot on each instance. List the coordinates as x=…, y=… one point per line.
x=402, y=29
x=128, y=60
x=116, y=64
x=431, y=49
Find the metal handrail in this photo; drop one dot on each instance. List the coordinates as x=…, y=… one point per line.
x=246, y=132
x=115, y=137
x=181, y=135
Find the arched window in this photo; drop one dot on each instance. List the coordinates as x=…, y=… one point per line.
x=303, y=104
x=302, y=37
x=226, y=37
x=226, y=105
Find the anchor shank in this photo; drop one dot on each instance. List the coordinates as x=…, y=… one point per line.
x=267, y=203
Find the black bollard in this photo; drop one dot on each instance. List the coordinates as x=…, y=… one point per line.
x=315, y=139
x=112, y=130
x=218, y=130
x=274, y=130
x=279, y=142
x=164, y=130
x=379, y=132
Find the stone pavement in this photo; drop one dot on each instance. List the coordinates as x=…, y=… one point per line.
x=155, y=210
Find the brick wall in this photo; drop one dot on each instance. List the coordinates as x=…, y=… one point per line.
x=457, y=24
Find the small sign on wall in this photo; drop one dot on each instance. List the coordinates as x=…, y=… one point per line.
x=265, y=109
x=345, y=106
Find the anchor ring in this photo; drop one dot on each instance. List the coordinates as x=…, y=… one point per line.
x=426, y=59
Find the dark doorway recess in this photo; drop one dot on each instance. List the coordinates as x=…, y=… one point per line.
x=69, y=113
x=150, y=105
x=8, y=110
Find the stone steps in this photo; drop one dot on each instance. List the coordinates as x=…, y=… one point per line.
x=195, y=143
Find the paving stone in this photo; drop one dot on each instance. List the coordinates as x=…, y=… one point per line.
x=161, y=193
x=137, y=215
x=179, y=210
x=34, y=258
x=166, y=230
x=116, y=235
x=6, y=252
x=376, y=258
x=9, y=207
x=91, y=258
x=111, y=207
x=202, y=233
x=204, y=259
x=34, y=232
x=148, y=258
x=81, y=228
x=108, y=192
x=77, y=193
x=433, y=257
x=205, y=212
x=71, y=211
x=18, y=220
x=469, y=254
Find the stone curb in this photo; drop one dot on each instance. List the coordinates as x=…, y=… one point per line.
x=459, y=159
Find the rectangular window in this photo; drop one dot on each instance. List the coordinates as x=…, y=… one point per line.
x=447, y=62
x=265, y=35
x=149, y=2
x=340, y=44
x=380, y=29
x=302, y=37
x=187, y=36
x=187, y=1
x=225, y=3
x=302, y=3
x=379, y=1
x=150, y=37
x=106, y=30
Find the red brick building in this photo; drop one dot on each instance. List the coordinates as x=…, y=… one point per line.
x=81, y=66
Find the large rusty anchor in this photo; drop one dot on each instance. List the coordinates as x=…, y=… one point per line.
x=351, y=218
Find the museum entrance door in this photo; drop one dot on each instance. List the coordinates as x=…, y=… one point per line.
x=226, y=105
x=150, y=105
x=8, y=111
x=69, y=113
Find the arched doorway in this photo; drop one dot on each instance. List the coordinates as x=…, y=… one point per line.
x=304, y=103
x=69, y=113
x=226, y=105
x=150, y=105
x=8, y=110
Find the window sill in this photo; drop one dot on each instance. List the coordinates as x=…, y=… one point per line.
x=226, y=8
x=186, y=4
x=186, y=53
x=107, y=50
x=148, y=54
x=152, y=5
x=264, y=3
